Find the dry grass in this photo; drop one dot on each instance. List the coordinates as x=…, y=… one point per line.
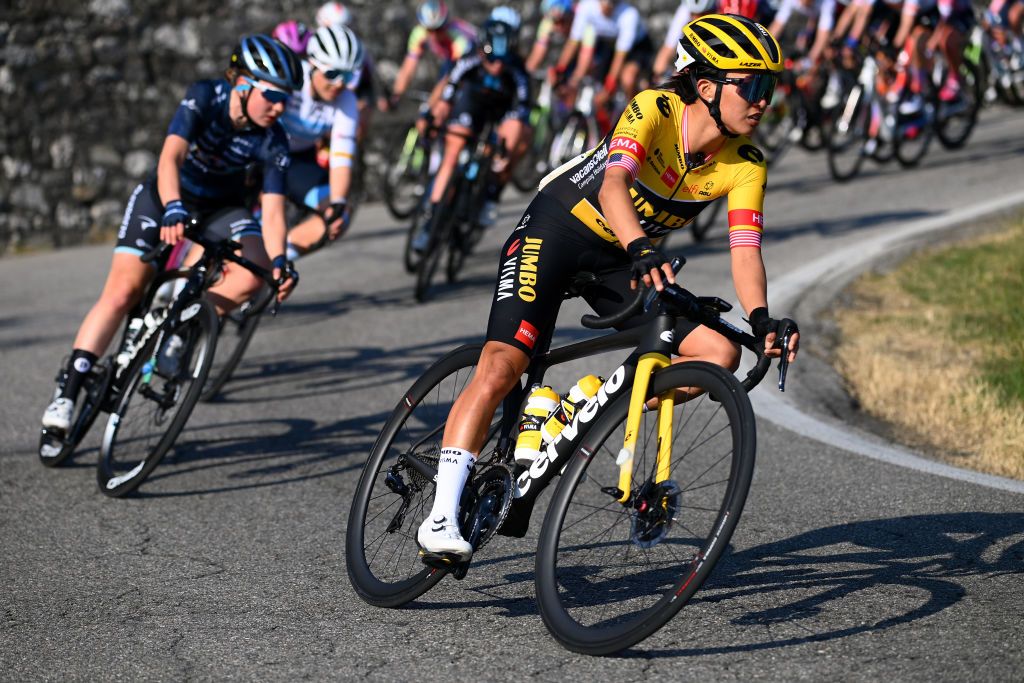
x=904, y=355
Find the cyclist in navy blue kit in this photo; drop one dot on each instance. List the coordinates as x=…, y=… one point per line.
x=224, y=132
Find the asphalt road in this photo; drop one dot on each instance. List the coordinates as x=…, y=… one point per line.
x=230, y=561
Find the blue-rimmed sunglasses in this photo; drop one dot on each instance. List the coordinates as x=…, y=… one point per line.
x=755, y=87
x=334, y=75
x=269, y=94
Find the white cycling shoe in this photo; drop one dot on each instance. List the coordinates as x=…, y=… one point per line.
x=441, y=540
x=58, y=414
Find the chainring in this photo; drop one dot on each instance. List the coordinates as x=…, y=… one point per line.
x=489, y=493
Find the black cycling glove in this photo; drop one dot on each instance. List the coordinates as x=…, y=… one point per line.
x=646, y=258
x=337, y=211
x=761, y=324
x=174, y=213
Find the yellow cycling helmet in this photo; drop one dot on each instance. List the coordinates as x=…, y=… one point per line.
x=728, y=42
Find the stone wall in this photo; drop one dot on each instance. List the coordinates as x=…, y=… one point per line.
x=87, y=88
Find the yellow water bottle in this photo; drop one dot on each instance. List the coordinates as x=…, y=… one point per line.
x=581, y=392
x=539, y=405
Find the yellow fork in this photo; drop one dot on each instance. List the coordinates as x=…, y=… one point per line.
x=648, y=364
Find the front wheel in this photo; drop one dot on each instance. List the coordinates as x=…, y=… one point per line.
x=393, y=496
x=161, y=387
x=236, y=330
x=848, y=135
x=610, y=574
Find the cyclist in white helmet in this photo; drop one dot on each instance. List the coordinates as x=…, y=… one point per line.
x=687, y=10
x=333, y=14
x=324, y=107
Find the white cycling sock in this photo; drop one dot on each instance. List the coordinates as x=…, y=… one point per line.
x=291, y=253
x=452, y=472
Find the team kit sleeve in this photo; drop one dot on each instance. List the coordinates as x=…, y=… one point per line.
x=417, y=39
x=746, y=204
x=675, y=28
x=343, y=130
x=276, y=161
x=636, y=130
x=188, y=120
x=629, y=29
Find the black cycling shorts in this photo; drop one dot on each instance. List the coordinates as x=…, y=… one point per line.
x=537, y=264
x=308, y=184
x=140, y=227
x=474, y=110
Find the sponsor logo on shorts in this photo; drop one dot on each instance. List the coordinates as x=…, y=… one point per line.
x=520, y=268
x=527, y=334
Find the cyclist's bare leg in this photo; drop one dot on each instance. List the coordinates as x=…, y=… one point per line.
x=629, y=79
x=499, y=369
x=307, y=233
x=453, y=144
x=516, y=137
x=238, y=283
x=706, y=345
x=123, y=289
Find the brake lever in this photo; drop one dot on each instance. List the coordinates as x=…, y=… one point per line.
x=784, y=361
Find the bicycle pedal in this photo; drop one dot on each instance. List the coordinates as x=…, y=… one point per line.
x=448, y=561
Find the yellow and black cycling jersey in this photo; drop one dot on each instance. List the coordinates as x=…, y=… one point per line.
x=648, y=142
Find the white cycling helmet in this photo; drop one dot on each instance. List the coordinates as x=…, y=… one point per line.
x=699, y=7
x=507, y=15
x=335, y=48
x=333, y=14
x=432, y=14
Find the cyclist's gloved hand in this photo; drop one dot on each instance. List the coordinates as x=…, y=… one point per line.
x=770, y=332
x=336, y=216
x=173, y=223
x=283, y=268
x=648, y=264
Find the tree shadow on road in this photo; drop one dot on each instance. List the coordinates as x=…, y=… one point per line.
x=823, y=582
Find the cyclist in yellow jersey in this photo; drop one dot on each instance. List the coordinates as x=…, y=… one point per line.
x=674, y=150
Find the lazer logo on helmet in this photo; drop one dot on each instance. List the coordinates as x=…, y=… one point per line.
x=560, y=448
x=751, y=65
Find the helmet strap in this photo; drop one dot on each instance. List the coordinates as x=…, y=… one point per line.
x=714, y=107
x=244, y=92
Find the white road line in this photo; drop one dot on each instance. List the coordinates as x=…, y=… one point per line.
x=786, y=290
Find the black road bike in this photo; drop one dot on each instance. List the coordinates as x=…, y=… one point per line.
x=646, y=502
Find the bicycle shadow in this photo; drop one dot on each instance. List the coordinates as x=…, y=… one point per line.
x=831, y=569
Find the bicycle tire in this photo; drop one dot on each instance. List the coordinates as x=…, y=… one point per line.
x=128, y=455
x=437, y=246
x=235, y=331
x=572, y=141
x=405, y=180
x=577, y=595
x=847, y=136
x=386, y=570
x=53, y=450
x=953, y=131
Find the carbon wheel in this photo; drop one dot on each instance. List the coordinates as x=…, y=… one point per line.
x=393, y=497
x=610, y=574
x=236, y=330
x=158, y=398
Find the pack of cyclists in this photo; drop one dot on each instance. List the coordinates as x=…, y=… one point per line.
x=285, y=123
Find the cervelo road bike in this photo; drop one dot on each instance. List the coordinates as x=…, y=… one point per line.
x=646, y=503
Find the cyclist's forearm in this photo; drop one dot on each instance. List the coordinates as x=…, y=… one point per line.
x=568, y=52
x=612, y=79
x=749, y=278
x=274, y=228
x=172, y=156
x=536, y=57
x=341, y=182
x=404, y=76
x=617, y=206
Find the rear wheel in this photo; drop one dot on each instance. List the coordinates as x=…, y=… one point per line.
x=55, y=447
x=847, y=135
x=406, y=179
x=955, y=120
x=610, y=574
x=393, y=497
x=158, y=398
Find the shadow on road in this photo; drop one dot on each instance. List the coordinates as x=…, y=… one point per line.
x=874, y=575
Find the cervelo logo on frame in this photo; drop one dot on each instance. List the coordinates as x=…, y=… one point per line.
x=583, y=416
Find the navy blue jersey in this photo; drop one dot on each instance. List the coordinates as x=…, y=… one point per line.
x=220, y=156
x=508, y=92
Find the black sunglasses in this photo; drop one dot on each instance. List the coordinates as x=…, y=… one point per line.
x=753, y=88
